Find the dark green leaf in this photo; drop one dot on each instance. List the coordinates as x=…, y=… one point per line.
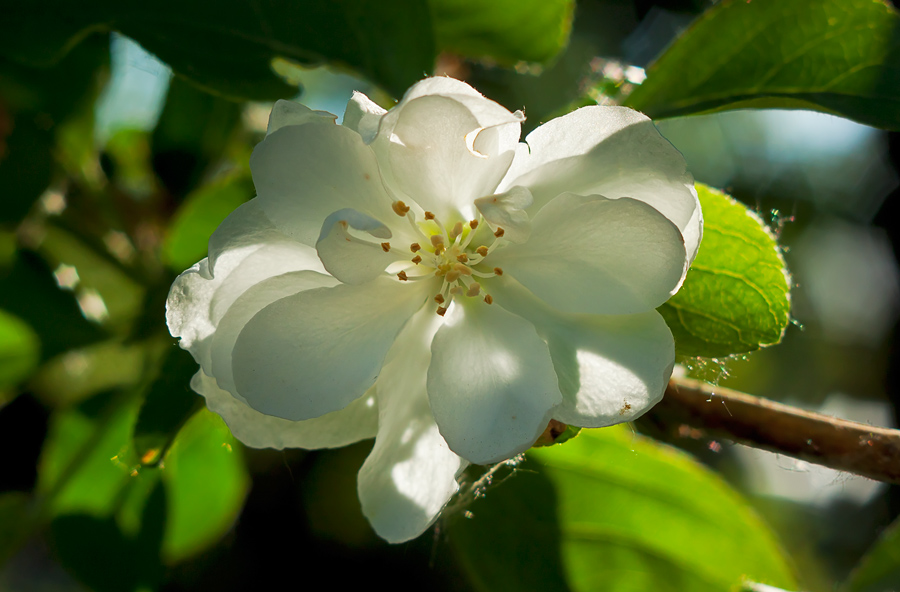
x=510, y=538
x=168, y=405
x=20, y=350
x=229, y=50
x=28, y=290
x=879, y=570
x=16, y=523
x=112, y=560
x=193, y=132
x=199, y=215
x=836, y=56
x=507, y=31
x=736, y=297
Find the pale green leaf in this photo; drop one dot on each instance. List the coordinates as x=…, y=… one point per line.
x=879, y=570
x=736, y=297
x=20, y=350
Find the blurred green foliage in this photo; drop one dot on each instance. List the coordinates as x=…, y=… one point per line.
x=135, y=481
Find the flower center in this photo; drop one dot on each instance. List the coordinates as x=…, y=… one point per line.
x=453, y=254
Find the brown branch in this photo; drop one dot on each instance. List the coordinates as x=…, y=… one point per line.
x=721, y=413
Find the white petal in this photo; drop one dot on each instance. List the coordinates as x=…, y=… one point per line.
x=303, y=173
x=410, y=475
x=291, y=113
x=357, y=421
x=610, y=151
x=611, y=368
x=316, y=351
x=433, y=160
x=201, y=295
x=507, y=211
x=363, y=115
x=351, y=259
x=245, y=308
x=491, y=383
x=598, y=256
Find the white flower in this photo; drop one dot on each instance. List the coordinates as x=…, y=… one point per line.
x=420, y=276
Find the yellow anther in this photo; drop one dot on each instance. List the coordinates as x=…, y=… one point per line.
x=386, y=247
x=474, y=290
x=462, y=269
x=462, y=258
x=488, y=298
x=452, y=276
x=416, y=259
x=482, y=250
x=439, y=299
x=456, y=290
x=415, y=247
x=498, y=271
x=441, y=310
x=499, y=232
x=402, y=276
x=437, y=240
x=473, y=224
x=429, y=216
x=456, y=230
x=400, y=208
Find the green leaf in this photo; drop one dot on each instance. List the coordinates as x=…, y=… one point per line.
x=16, y=523
x=20, y=350
x=879, y=570
x=507, y=31
x=630, y=514
x=206, y=482
x=229, y=50
x=192, y=133
x=200, y=214
x=836, y=56
x=113, y=560
x=736, y=297
x=168, y=405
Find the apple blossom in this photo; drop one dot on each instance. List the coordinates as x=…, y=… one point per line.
x=420, y=276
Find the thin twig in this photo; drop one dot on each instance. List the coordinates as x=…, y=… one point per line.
x=721, y=413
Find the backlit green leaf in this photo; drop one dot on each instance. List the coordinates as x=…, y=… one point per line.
x=20, y=350
x=200, y=214
x=630, y=515
x=736, y=297
x=836, y=56
x=206, y=482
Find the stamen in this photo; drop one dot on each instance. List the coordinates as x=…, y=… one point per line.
x=456, y=231
x=474, y=289
x=439, y=298
x=402, y=276
x=488, y=299
x=473, y=224
x=386, y=247
x=499, y=232
x=429, y=216
x=441, y=310
x=400, y=208
x=437, y=240
x=416, y=259
x=482, y=250
x=451, y=276
x=456, y=290
x=462, y=269
x=415, y=247
x=498, y=271
x=462, y=258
